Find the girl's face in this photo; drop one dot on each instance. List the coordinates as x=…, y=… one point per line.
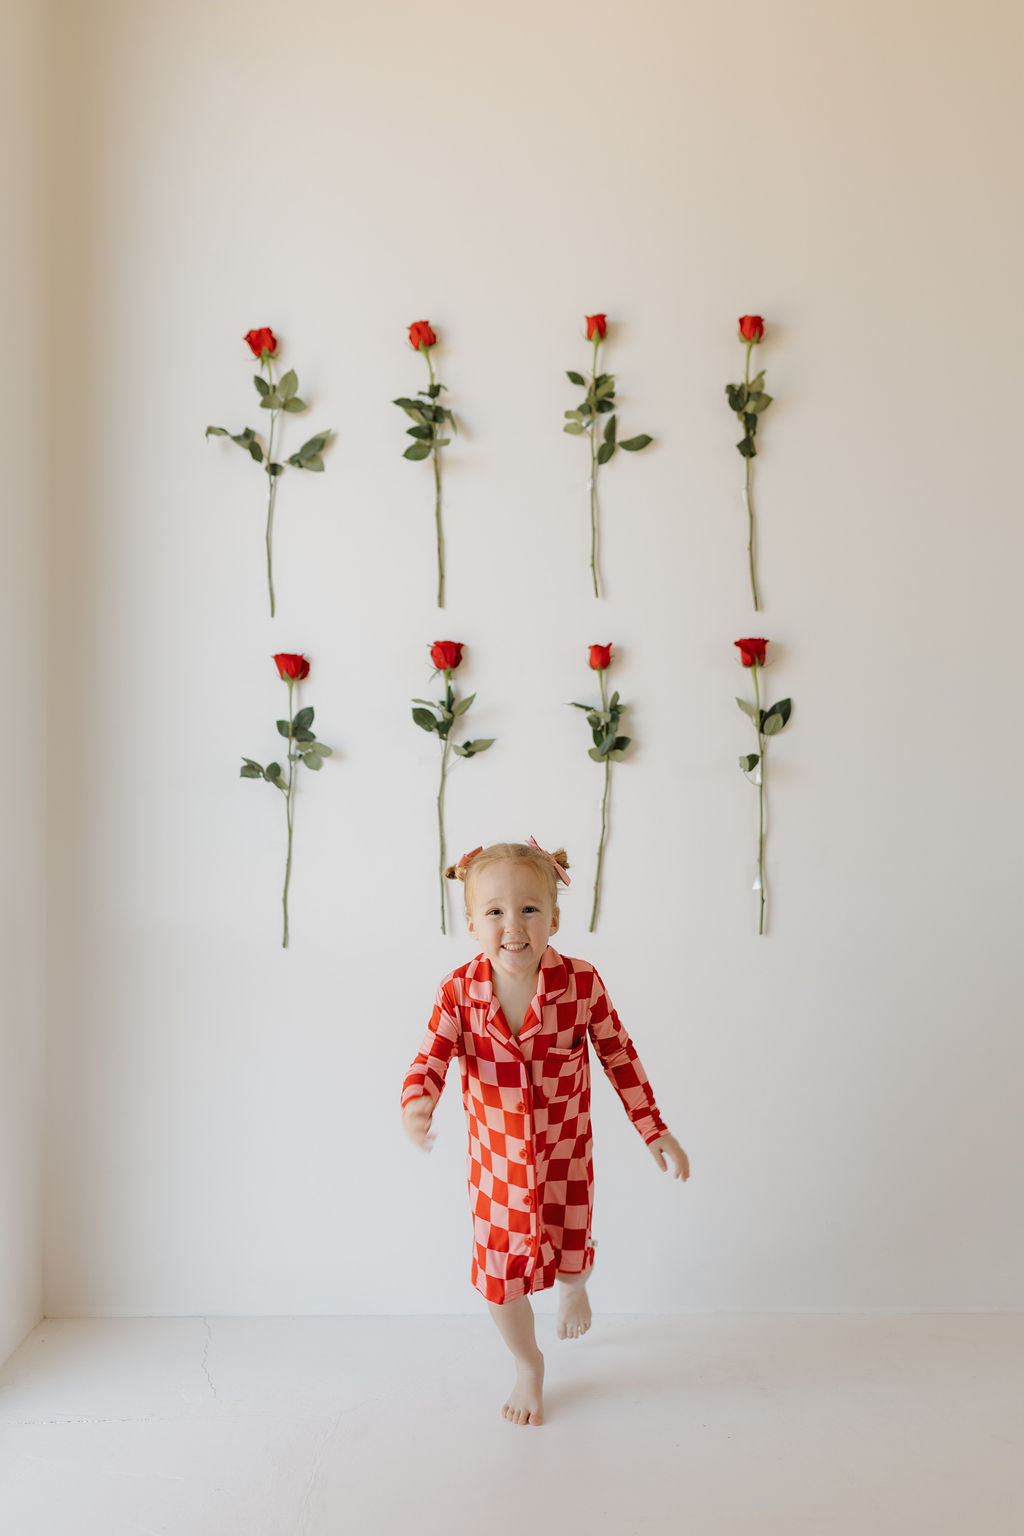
x=512, y=915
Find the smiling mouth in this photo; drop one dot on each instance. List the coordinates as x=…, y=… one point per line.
x=515, y=948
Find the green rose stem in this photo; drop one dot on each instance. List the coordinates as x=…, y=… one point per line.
x=750, y=505
x=593, y=477
x=450, y=701
x=604, y=812
x=272, y=488
x=761, y=739
x=436, y=456
x=288, y=811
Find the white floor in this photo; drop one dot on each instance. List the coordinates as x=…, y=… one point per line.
x=725, y=1425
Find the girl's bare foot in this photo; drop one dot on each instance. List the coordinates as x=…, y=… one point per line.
x=574, y=1314
x=524, y=1401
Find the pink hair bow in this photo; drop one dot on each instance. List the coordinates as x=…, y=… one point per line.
x=464, y=861
x=559, y=871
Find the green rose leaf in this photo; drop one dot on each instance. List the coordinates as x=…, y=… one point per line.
x=634, y=444
x=216, y=432
x=757, y=383
x=609, y=430
x=311, y=760
x=463, y=704
x=282, y=728
x=746, y=706
x=322, y=749
x=288, y=384
x=575, y=378
x=300, y=735
x=747, y=449
x=295, y=404
x=575, y=428
x=262, y=387
x=304, y=717
x=605, y=452
x=595, y=753
x=271, y=772
x=604, y=406
x=749, y=761
x=424, y=434
x=424, y=718
x=309, y=450
x=776, y=718
x=275, y=470
x=417, y=451
x=250, y=771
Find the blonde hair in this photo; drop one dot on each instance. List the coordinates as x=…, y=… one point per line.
x=509, y=853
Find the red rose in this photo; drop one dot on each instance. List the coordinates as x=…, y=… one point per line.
x=446, y=654
x=261, y=341
x=421, y=334
x=751, y=652
x=291, y=667
x=600, y=655
x=598, y=323
x=751, y=327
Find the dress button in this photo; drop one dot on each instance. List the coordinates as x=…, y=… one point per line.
x=521, y=1108
x=524, y=1154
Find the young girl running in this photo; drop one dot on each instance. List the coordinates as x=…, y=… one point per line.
x=517, y=1016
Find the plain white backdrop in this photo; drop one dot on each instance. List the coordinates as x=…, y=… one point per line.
x=221, y=1121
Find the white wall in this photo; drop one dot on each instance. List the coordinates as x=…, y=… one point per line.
x=23, y=648
x=224, y=1116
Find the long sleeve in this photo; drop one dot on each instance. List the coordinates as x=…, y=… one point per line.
x=622, y=1065
x=427, y=1072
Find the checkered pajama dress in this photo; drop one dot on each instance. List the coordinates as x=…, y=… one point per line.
x=527, y=1099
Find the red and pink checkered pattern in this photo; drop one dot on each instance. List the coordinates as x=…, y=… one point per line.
x=530, y=1159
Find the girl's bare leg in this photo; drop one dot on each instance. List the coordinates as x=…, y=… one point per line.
x=573, y=1304
x=515, y=1324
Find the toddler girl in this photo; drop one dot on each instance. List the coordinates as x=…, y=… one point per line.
x=517, y=1016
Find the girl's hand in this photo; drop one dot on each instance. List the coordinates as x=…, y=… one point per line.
x=667, y=1144
x=416, y=1118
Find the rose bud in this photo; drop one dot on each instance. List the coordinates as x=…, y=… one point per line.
x=291, y=667
x=261, y=341
x=446, y=654
x=751, y=328
x=600, y=657
x=751, y=652
x=421, y=334
x=596, y=325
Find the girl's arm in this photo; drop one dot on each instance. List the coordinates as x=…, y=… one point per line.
x=427, y=1072
x=622, y=1065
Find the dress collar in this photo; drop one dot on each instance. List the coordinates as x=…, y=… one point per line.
x=552, y=977
x=552, y=981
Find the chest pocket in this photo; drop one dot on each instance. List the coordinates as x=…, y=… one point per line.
x=561, y=1072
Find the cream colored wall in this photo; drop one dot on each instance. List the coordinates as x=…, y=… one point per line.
x=23, y=649
x=224, y=1128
